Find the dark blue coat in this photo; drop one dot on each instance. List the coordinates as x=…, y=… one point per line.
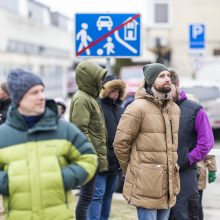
x=112, y=113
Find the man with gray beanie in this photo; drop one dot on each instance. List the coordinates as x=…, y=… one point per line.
x=41, y=157
x=146, y=146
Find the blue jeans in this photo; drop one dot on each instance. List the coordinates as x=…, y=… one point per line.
x=99, y=208
x=153, y=214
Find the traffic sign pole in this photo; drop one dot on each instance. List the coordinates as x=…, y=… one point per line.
x=108, y=66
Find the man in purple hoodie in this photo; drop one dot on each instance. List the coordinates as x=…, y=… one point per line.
x=195, y=141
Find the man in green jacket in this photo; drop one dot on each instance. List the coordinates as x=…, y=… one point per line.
x=41, y=157
x=85, y=112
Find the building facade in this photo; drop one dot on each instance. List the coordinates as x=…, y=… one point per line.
x=167, y=31
x=34, y=38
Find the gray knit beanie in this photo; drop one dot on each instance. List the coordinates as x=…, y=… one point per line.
x=151, y=72
x=19, y=82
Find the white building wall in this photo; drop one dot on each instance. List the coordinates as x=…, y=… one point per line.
x=184, y=13
x=51, y=64
x=22, y=8
x=11, y=5
x=197, y=11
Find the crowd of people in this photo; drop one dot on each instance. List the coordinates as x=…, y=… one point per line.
x=159, y=140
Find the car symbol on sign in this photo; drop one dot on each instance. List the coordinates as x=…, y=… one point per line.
x=104, y=22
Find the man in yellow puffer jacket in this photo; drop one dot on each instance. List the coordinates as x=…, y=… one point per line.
x=41, y=157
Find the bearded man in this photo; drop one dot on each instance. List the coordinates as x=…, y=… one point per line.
x=146, y=146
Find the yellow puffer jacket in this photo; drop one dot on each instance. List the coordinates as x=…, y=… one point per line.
x=40, y=165
x=146, y=147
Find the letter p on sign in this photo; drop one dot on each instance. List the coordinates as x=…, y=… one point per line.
x=197, y=30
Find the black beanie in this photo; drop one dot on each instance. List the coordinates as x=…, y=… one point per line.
x=151, y=72
x=19, y=82
x=108, y=78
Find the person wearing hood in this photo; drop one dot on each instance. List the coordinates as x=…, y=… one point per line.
x=61, y=106
x=195, y=141
x=111, y=95
x=41, y=157
x=86, y=113
x=5, y=101
x=146, y=146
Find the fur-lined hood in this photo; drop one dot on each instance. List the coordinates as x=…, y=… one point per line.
x=113, y=85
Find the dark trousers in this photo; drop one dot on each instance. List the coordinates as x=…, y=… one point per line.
x=200, y=205
x=85, y=198
x=186, y=208
x=187, y=202
x=194, y=206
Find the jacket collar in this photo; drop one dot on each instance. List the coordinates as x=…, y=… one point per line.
x=47, y=122
x=5, y=101
x=109, y=101
x=147, y=93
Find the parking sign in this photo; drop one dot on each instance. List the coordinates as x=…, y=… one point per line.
x=197, y=36
x=107, y=35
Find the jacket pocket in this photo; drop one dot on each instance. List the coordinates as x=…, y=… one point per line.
x=150, y=180
x=176, y=180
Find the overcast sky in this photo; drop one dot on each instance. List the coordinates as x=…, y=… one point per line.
x=69, y=7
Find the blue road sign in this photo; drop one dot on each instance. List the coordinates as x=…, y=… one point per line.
x=197, y=36
x=107, y=35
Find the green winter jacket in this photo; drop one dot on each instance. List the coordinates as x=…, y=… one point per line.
x=40, y=166
x=85, y=111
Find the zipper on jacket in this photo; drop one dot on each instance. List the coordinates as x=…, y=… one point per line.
x=171, y=131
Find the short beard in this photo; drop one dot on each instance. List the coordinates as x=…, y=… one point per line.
x=163, y=89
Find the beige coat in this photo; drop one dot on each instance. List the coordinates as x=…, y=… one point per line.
x=209, y=163
x=146, y=147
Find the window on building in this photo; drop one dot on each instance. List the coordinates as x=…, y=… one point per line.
x=159, y=13
x=216, y=52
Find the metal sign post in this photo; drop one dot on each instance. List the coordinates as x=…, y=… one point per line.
x=108, y=66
